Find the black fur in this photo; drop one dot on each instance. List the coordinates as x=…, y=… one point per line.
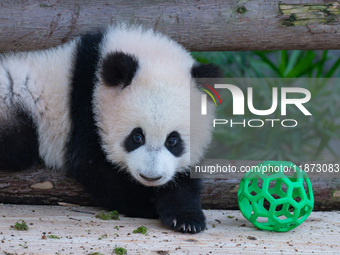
x=111, y=186
x=178, y=149
x=119, y=68
x=84, y=138
x=130, y=144
x=206, y=71
x=19, y=147
x=182, y=202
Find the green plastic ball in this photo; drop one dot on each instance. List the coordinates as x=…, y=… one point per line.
x=276, y=196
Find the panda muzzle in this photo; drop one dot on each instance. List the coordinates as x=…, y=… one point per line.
x=150, y=179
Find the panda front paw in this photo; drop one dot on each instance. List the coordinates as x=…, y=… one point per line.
x=186, y=222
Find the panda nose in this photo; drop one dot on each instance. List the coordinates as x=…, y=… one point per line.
x=150, y=179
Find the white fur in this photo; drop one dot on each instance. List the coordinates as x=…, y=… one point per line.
x=158, y=101
x=40, y=86
x=152, y=163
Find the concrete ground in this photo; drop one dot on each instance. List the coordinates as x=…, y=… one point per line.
x=228, y=232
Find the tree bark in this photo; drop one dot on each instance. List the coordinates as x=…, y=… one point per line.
x=203, y=25
x=47, y=187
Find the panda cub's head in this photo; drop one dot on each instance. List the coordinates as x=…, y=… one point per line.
x=142, y=105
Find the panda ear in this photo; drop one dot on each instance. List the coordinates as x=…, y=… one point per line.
x=206, y=71
x=118, y=69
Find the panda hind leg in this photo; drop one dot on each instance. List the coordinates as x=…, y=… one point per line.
x=19, y=147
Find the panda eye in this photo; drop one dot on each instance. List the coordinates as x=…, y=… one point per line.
x=175, y=144
x=172, y=141
x=134, y=140
x=138, y=138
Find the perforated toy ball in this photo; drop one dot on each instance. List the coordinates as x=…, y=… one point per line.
x=276, y=195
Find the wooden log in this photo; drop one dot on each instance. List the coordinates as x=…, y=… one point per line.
x=46, y=187
x=199, y=25
x=24, y=187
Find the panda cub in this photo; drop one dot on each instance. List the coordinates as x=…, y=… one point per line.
x=113, y=110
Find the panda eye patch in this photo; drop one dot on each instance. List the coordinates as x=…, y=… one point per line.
x=134, y=140
x=174, y=144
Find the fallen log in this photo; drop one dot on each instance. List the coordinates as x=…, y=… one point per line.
x=199, y=25
x=42, y=186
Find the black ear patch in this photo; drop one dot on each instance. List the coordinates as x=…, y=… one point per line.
x=118, y=68
x=206, y=71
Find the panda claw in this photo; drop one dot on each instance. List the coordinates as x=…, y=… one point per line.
x=174, y=222
x=186, y=223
